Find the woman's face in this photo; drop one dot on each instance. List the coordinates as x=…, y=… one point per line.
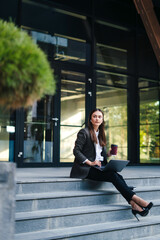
x=96, y=119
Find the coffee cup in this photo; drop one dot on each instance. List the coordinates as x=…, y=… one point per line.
x=114, y=149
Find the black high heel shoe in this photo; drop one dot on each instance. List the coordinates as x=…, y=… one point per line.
x=142, y=213
x=149, y=206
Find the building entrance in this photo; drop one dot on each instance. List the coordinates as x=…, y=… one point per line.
x=48, y=129
x=39, y=124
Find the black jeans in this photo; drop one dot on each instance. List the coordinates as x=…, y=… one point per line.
x=113, y=177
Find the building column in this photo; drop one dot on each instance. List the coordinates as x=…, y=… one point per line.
x=133, y=121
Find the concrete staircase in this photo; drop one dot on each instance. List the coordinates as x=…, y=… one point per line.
x=69, y=209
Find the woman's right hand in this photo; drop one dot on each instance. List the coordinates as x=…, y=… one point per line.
x=96, y=162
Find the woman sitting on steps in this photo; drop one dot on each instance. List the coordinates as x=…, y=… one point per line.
x=90, y=150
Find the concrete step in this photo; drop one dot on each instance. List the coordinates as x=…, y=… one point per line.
x=49, y=200
x=33, y=202
x=70, y=217
x=68, y=184
x=76, y=216
x=126, y=230
x=75, y=209
x=155, y=237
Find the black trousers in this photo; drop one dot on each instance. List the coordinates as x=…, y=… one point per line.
x=113, y=177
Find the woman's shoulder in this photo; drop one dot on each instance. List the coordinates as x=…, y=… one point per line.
x=85, y=131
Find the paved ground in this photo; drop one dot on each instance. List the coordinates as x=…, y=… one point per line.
x=63, y=172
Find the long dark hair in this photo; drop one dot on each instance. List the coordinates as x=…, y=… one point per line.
x=101, y=136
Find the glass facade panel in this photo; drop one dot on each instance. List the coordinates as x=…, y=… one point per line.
x=80, y=6
x=70, y=50
x=118, y=12
x=111, y=79
x=7, y=135
x=113, y=101
x=147, y=63
x=149, y=123
x=52, y=20
x=38, y=132
x=111, y=57
x=114, y=47
x=61, y=48
x=72, y=112
x=87, y=36
x=62, y=33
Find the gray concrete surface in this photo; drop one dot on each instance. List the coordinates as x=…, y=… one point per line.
x=7, y=200
x=63, y=172
x=50, y=205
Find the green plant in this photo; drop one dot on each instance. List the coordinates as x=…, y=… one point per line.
x=25, y=73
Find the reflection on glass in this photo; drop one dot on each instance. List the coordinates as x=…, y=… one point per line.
x=38, y=132
x=144, y=84
x=70, y=50
x=111, y=79
x=68, y=137
x=149, y=125
x=7, y=135
x=61, y=33
x=61, y=48
x=113, y=101
x=111, y=57
x=72, y=111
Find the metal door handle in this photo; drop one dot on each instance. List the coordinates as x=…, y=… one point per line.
x=20, y=154
x=55, y=119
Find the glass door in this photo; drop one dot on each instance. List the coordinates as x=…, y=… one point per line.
x=39, y=127
x=7, y=135
x=72, y=111
x=50, y=126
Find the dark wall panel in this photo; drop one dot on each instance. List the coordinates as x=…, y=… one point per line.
x=9, y=9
